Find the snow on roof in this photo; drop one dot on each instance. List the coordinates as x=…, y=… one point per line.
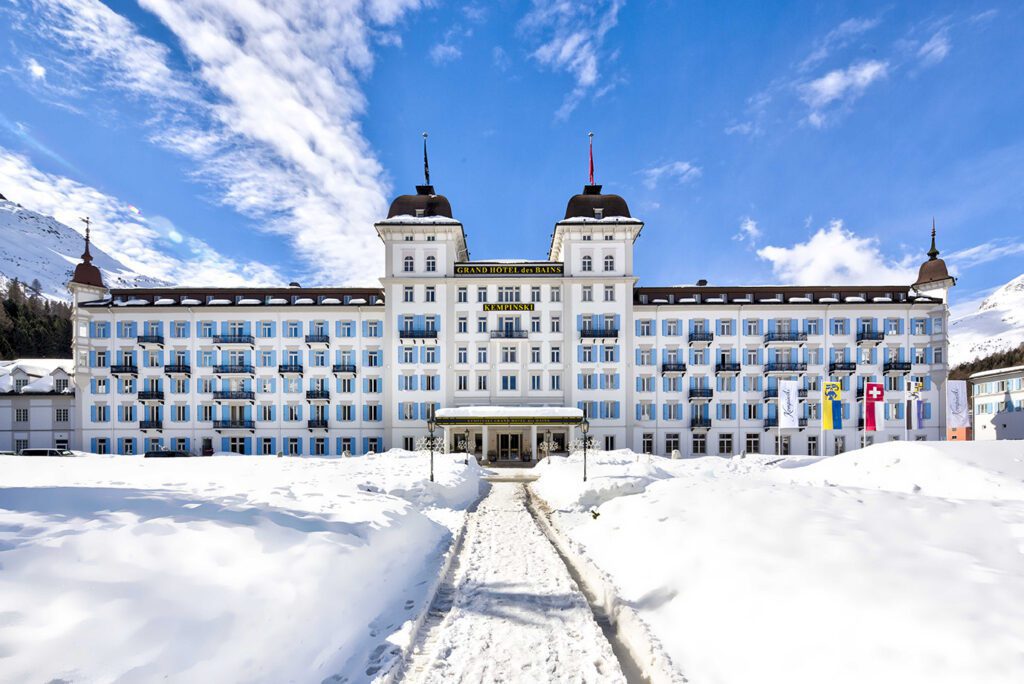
x=42, y=370
x=606, y=219
x=188, y=301
x=997, y=371
x=250, y=301
x=330, y=300
x=163, y=301
x=407, y=218
x=218, y=302
x=510, y=412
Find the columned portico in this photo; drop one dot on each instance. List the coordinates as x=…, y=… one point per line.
x=510, y=434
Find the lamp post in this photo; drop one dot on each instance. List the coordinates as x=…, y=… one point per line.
x=585, y=428
x=431, y=426
x=466, y=448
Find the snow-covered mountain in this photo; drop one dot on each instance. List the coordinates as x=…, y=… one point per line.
x=997, y=325
x=38, y=247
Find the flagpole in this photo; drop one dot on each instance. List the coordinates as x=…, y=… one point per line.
x=821, y=416
x=778, y=423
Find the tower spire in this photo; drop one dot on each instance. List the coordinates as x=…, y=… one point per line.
x=933, y=253
x=426, y=164
x=591, y=136
x=86, y=256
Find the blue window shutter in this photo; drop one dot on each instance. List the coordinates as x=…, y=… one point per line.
x=638, y=411
x=92, y=413
x=664, y=326
x=636, y=326
x=615, y=409
x=579, y=322
x=599, y=321
x=579, y=381
x=616, y=321
x=602, y=382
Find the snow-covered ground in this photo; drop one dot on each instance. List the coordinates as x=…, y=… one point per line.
x=219, y=569
x=897, y=563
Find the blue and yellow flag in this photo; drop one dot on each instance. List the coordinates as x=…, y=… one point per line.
x=831, y=406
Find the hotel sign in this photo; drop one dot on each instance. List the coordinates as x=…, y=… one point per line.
x=508, y=307
x=540, y=269
x=509, y=420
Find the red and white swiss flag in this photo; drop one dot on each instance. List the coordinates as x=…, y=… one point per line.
x=874, y=406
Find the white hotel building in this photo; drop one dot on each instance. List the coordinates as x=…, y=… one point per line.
x=327, y=370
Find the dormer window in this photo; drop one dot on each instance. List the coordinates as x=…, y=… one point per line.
x=408, y=238
x=598, y=213
x=587, y=237
x=431, y=238
x=609, y=237
x=420, y=213
x=407, y=264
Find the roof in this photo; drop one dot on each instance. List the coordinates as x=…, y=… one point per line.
x=241, y=296
x=778, y=294
x=584, y=205
x=997, y=371
x=934, y=270
x=424, y=201
x=41, y=372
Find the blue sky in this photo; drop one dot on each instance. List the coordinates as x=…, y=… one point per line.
x=766, y=142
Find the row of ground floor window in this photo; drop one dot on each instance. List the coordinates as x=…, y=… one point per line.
x=515, y=445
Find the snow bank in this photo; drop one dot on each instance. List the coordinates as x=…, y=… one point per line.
x=830, y=570
x=218, y=569
x=609, y=474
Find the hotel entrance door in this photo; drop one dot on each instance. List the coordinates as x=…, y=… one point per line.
x=508, y=447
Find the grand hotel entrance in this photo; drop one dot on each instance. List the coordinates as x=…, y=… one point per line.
x=509, y=434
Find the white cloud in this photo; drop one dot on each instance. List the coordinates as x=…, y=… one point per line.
x=147, y=246
x=681, y=171
x=991, y=250
x=840, y=86
x=748, y=232
x=835, y=255
x=442, y=53
x=269, y=111
x=36, y=70
x=936, y=48
x=500, y=58
x=836, y=39
x=570, y=37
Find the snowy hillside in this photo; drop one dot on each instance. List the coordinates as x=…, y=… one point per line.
x=996, y=326
x=34, y=246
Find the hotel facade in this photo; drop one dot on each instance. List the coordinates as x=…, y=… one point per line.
x=328, y=370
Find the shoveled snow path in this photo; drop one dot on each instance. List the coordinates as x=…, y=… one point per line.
x=516, y=615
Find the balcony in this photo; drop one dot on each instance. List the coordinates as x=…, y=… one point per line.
x=318, y=395
x=701, y=338
x=317, y=339
x=866, y=337
x=896, y=367
x=839, y=367
x=124, y=369
x=234, y=395
x=785, y=367
x=344, y=369
x=700, y=423
x=151, y=425
x=774, y=394
x=317, y=423
x=774, y=423
x=599, y=333
x=785, y=338
x=151, y=395
x=234, y=369
x=701, y=394
x=508, y=334
x=147, y=340
x=178, y=369
x=234, y=425
x=228, y=340
x=727, y=368
x=290, y=369
x=673, y=368
x=417, y=334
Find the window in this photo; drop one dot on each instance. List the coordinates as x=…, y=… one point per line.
x=535, y=324
x=373, y=328
x=647, y=443
x=725, y=444
x=587, y=264
x=508, y=294
x=751, y=326
x=535, y=382
x=936, y=355
x=508, y=355
x=646, y=410
x=671, y=442
x=431, y=383
x=481, y=382
x=556, y=381
x=21, y=415
x=556, y=355
x=936, y=325
x=61, y=415
x=481, y=355
x=726, y=326
x=587, y=354
x=556, y=294
x=60, y=384
x=752, y=443
x=462, y=382
x=609, y=442
x=101, y=446
x=293, y=329
x=728, y=411
x=265, y=445
x=407, y=294
x=556, y=324
x=609, y=293
x=812, y=445
x=481, y=294
x=462, y=325
x=407, y=264
x=812, y=326
x=431, y=264
x=462, y=355
x=534, y=354
x=481, y=324
x=102, y=413
x=645, y=383
x=463, y=295
x=535, y=293
x=608, y=353
x=588, y=293
x=431, y=293
x=609, y=263
x=644, y=327
x=700, y=444
x=838, y=326
x=508, y=381
x=291, y=446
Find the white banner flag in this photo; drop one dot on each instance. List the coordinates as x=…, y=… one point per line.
x=957, y=414
x=789, y=403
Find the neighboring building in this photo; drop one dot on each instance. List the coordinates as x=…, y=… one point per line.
x=328, y=369
x=997, y=403
x=37, y=405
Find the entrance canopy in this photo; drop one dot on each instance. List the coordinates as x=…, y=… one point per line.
x=509, y=415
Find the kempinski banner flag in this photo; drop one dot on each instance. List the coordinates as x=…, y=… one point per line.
x=957, y=414
x=789, y=404
x=831, y=406
x=914, y=408
x=874, y=406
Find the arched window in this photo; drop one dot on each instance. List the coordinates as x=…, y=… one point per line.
x=407, y=264
x=609, y=263
x=588, y=264
x=431, y=264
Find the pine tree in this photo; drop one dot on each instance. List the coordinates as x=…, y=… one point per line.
x=33, y=327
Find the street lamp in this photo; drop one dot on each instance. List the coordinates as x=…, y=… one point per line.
x=466, y=442
x=585, y=428
x=431, y=425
